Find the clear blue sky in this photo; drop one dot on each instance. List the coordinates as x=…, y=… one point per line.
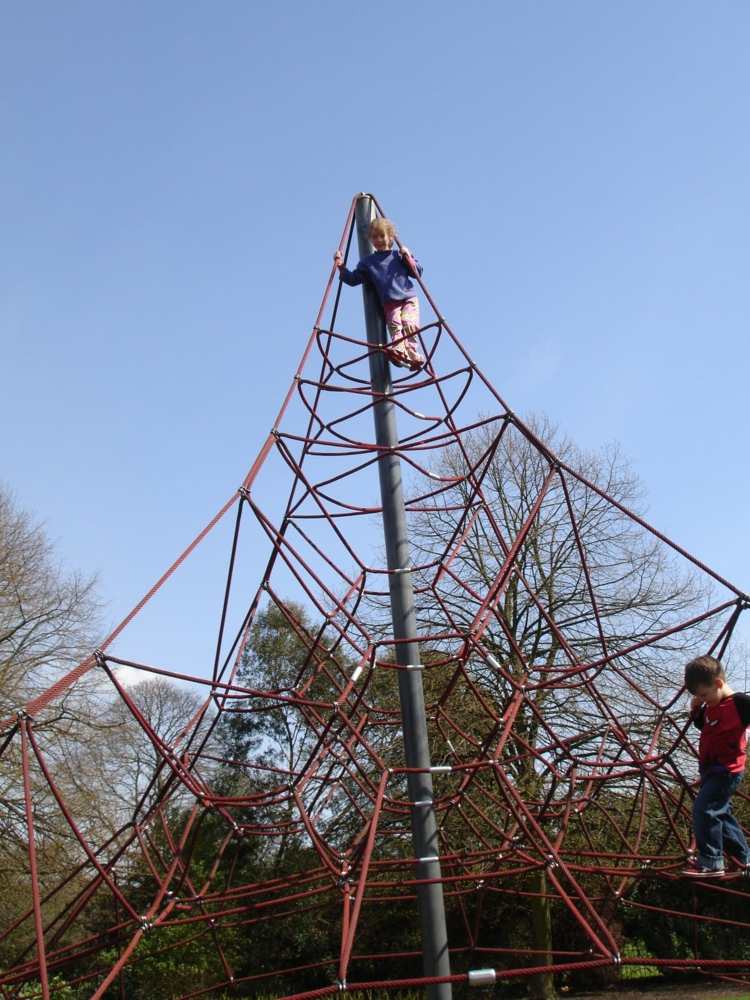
x=174, y=178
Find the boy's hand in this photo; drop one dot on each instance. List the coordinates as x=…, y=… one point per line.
x=695, y=704
x=338, y=258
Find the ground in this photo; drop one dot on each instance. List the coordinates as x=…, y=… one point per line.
x=693, y=990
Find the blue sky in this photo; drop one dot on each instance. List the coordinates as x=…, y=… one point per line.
x=174, y=178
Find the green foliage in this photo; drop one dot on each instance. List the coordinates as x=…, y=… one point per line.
x=169, y=962
x=637, y=949
x=58, y=990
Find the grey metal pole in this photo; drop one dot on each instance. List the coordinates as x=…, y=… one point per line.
x=403, y=614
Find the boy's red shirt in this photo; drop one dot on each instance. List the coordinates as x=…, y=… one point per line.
x=723, y=742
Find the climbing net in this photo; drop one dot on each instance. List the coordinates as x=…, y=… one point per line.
x=553, y=623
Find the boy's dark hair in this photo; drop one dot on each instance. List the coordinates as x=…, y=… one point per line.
x=702, y=671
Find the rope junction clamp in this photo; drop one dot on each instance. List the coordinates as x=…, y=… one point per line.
x=482, y=977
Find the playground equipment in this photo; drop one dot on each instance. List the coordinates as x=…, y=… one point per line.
x=492, y=705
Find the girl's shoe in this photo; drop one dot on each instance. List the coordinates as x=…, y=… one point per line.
x=415, y=355
x=398, y=357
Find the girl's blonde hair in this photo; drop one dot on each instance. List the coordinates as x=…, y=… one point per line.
x=384, y=226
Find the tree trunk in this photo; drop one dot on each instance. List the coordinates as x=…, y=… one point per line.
x=542, y=986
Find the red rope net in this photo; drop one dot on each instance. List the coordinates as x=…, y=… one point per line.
x=553, y=624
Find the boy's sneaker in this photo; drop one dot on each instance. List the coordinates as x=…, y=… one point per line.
x=694, y=870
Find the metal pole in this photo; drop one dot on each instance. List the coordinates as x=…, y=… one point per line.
x=411, y=694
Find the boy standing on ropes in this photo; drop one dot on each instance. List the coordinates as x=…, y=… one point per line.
x=722, y=717
x=390, y=272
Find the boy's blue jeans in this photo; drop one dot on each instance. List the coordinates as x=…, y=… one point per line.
x=716, y=829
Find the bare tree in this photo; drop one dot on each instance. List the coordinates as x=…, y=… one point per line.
x=582, y=582
x=48, y=622
x=124, y=761
x=104, y=761
x=48, y=618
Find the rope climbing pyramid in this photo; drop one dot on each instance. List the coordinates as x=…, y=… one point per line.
x=449, y=756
